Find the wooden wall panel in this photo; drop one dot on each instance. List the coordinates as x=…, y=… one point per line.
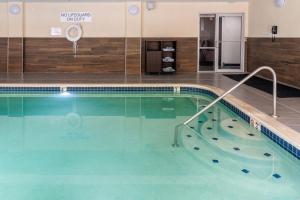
x=186, y=53
x=3, y=55
x=95, y=55
x=133, y=58
x=15, y=58
x=283, y=55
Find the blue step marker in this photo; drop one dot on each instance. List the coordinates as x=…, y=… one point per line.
x=267, y=154
x=236, y=148
x=276, y=176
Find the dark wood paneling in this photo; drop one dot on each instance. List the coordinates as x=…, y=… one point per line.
x=283, y=55
x=95, y=55
x=187, y=54
x=15, y=58
x=153, y=61
x=3, y=55
x=186, y=57
x=133, y=60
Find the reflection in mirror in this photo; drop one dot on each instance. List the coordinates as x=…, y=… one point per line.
x=207, y=30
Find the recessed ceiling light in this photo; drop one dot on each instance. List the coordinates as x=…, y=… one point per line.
x=280, y=3
x=14, y=9
x=133, y=10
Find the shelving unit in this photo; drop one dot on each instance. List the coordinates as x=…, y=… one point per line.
x=160, y=56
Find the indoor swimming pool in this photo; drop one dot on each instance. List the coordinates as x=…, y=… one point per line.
x=117, y=144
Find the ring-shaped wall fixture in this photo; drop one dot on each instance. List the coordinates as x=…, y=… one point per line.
x=74, y=32
x=280, y=3
x=133, y=9
x=14, y=9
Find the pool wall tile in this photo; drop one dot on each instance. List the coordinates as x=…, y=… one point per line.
x=281, y=142
x=28, y=89
x=120, y=89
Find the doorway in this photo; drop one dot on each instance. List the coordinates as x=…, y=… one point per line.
x=221, y=43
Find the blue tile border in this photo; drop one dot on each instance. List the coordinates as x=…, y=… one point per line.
x=16, y=89
x=281, y=142
x=120, y=89
x=188, y=90
x=197, y=91
x=83, y=89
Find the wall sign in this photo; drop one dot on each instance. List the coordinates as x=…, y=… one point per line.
x=55, y=31
x=74, y=17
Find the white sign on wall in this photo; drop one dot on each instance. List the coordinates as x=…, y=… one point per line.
x=75, y=17
x=55, y=31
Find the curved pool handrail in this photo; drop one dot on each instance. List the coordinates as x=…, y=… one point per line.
x=236, y=86
x=228, y=92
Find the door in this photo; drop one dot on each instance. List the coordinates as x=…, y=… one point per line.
x=221, y=43
x=230, y=43
x=207, y=43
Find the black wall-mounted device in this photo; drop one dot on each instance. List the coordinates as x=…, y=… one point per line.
x=274, y=32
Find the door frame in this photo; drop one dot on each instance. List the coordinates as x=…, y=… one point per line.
x=216, y=47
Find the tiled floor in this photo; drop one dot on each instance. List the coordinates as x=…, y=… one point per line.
x=288, y=108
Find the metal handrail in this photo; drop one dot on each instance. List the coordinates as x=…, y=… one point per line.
x=228, y=92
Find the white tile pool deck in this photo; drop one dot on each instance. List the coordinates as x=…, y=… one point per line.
x=288, y=108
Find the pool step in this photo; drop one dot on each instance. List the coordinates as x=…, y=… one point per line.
x=230, y=162
x=233, y=137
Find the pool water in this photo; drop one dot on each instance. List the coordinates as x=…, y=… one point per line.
x=119, y=147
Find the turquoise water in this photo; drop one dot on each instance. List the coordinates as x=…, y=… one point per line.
x=119, y=147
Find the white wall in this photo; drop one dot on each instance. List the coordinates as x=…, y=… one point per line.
x=264, y=13
x=181, y=19
x=108, y=19
x=111, y=19
x=15, y=23
x=3, y=20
